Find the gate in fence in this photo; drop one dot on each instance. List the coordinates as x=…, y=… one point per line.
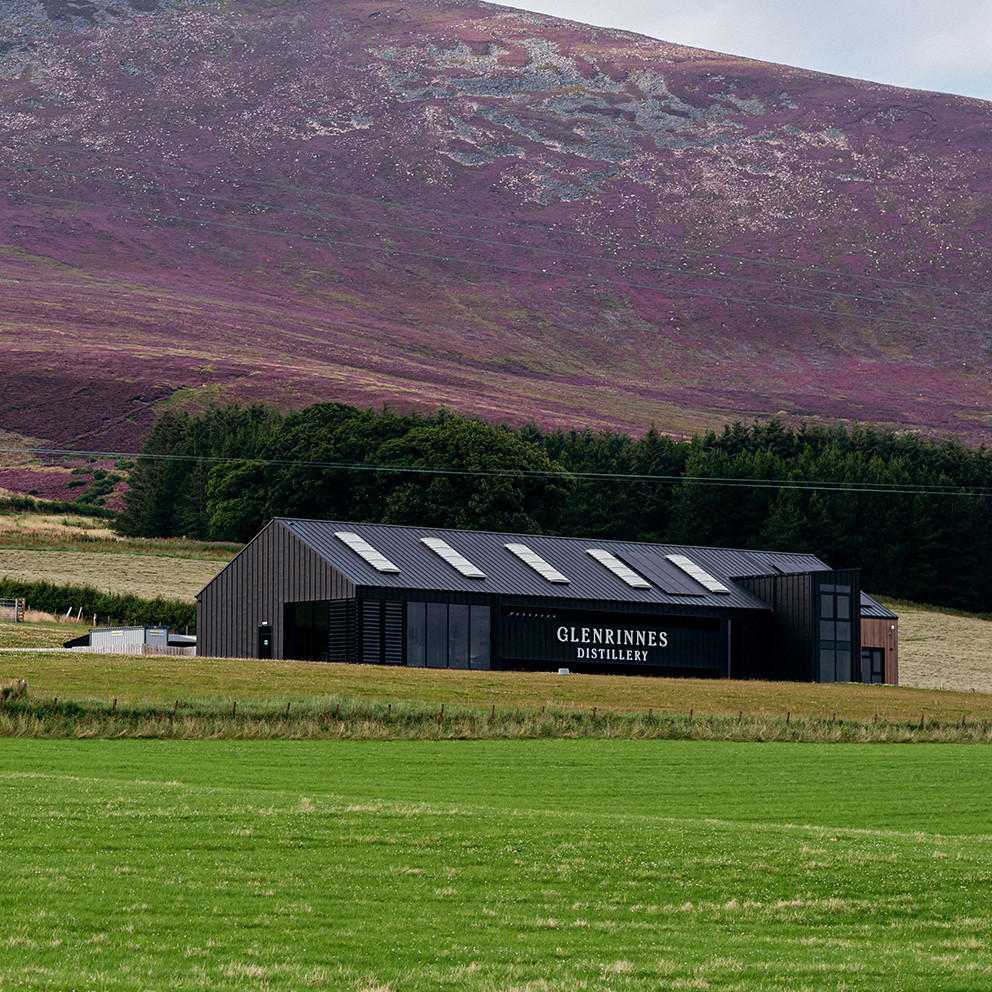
x=12, y=609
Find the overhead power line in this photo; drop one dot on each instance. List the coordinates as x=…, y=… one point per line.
x=563, y=474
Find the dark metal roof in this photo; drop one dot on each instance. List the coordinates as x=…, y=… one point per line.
x=872, y=608
x=506, y=574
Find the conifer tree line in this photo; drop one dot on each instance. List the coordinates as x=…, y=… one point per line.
x=912, y=513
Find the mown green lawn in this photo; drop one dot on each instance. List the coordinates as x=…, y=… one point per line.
x=494, y=865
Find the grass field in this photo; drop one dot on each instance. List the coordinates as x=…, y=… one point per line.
x=193, y=697
x=547, y=866
x=58, y=532
x=83, y=551
x=146, y=576
x=944, y=650
x=27, y=526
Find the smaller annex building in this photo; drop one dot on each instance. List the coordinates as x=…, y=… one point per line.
x=426, y=597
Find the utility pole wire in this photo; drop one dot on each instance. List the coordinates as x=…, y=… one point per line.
x=563, y=475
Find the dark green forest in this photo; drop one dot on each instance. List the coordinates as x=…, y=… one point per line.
x=911, y=512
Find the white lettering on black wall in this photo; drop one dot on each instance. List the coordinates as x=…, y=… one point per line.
x=620, y=643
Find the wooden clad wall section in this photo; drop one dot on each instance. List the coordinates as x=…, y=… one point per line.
x=274, y=569
x=883, y=632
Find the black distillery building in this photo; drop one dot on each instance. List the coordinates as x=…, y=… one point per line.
x=425, y=597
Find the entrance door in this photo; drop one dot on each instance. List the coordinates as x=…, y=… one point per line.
x=265, y=640
x=872, y=665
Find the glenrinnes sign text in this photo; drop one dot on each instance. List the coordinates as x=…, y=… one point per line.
x=612, y=643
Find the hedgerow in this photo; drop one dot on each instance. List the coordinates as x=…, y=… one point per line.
x=109, y=608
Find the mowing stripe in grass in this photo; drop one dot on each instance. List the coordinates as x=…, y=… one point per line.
x=484, y=865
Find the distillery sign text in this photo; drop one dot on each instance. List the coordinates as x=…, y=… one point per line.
x=612, y=643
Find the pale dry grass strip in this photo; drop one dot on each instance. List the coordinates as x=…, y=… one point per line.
x=944, y=651
x=57, y=525
x=145, y=576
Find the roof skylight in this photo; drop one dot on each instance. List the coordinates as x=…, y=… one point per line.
x=618, y=568
x=694, y=571
x=454, y=558
x=364, y=550
x=536, y=562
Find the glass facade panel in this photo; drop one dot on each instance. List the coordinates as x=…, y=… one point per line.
x=479, y=656
x=837, y=634
x=307, y=630
x=437, y=635
x=416, y=634
x=458, y=636
x=447, y=635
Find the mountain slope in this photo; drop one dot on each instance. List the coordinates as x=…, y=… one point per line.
x=422, y=203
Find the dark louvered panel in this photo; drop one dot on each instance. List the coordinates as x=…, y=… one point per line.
x=370, y=631
x=392, y=633
x=341, y=630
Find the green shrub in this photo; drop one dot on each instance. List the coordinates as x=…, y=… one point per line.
x=110, y=608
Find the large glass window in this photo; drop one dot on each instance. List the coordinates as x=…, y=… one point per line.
x=828, y=665
x=836, y=632
x=437, y=635
x=458, y=635
x=416, y=634
x=306, y=626
x=447, y=635
x=479, y=638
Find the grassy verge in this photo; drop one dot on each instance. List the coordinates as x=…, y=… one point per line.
x=349, y=719
x=118, y=695
x=547, y=866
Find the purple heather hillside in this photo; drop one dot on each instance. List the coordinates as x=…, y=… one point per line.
x=519, y=217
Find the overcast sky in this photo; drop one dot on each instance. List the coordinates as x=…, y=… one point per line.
x=942, y=45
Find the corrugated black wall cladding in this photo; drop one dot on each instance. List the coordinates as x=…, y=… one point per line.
x=791, y=649
x=274, y=569
x=795, y=629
